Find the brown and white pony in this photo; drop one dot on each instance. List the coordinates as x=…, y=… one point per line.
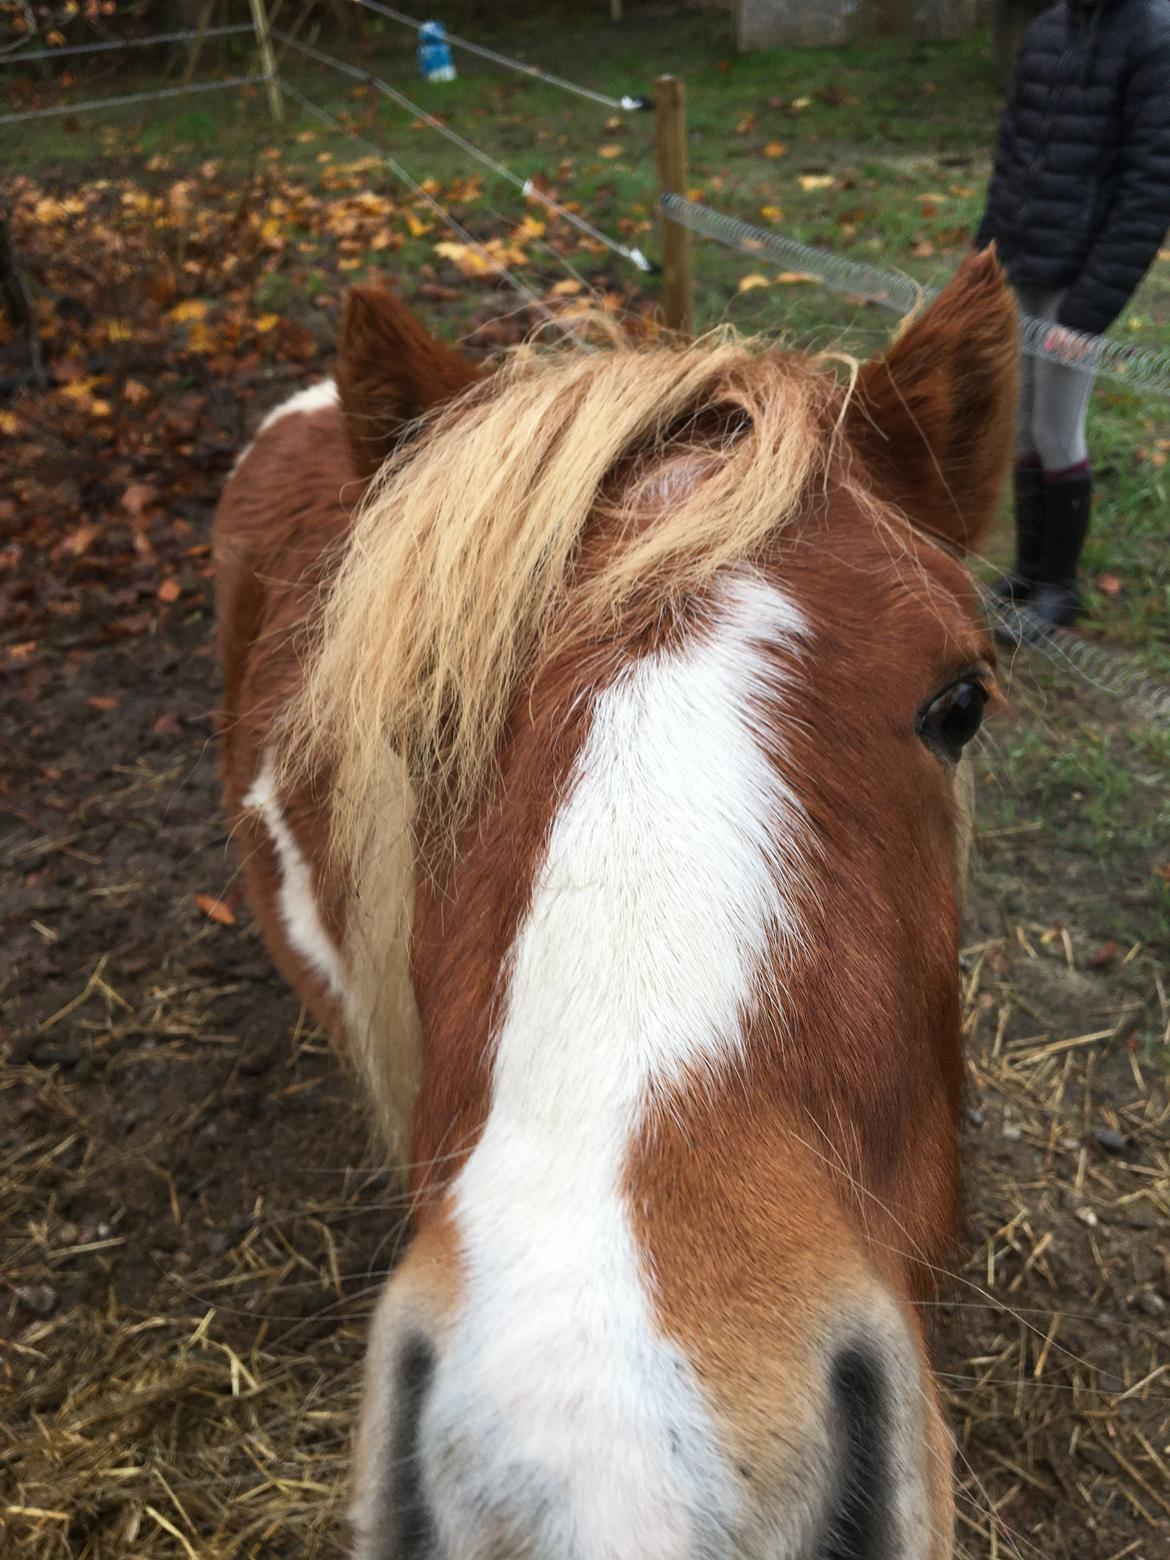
x=610, y=815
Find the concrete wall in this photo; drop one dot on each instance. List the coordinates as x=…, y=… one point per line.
x=765, y=24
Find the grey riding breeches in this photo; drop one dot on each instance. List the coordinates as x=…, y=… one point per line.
x=1054, y=398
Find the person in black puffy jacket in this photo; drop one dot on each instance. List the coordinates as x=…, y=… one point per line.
x=1078, y=204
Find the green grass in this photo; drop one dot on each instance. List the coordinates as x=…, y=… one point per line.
x=903, y=132
x=1074, y=804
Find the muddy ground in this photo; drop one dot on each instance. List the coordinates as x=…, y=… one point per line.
x=194, y=1224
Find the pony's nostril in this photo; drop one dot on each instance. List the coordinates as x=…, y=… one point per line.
x=860, y=1525
x=412, y=1519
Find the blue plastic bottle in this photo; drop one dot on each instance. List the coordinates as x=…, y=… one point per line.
x=434, y=53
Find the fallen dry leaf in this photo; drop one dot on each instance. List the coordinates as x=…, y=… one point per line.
x=80, y=388
x=189, y=309
x=215, y=909
x=80, y=539
x=468, y=261
x=815, y=181
x=137, y=498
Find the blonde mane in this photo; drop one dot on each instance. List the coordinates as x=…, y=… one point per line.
x=459, y=576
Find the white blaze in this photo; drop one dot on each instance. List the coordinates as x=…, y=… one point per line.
x=669, y=868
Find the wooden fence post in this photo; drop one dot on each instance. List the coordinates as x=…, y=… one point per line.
x=197, y=43
x=267, y=62
x=17, y=303
x=670, y=129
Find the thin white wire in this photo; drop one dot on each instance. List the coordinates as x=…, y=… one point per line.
x=42, y=28
x=634, y=256
x=125, y=43
x=131, y=97
x=625, y=104
x=1135, y=367
x=12, y=50
x=35, y=32
x=1110, y=671
x=416, y=188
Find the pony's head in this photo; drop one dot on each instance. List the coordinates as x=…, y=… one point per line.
x=676, y=651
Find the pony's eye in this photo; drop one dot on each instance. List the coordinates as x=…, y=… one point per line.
x=949, y=722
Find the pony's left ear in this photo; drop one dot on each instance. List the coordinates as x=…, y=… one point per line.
x=933, y=417
x=390, y=371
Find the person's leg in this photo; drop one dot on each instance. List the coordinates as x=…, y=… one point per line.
x=1018, y=583
x=1061, y=400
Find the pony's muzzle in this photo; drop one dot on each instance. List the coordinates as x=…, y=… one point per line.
x=475, y=1450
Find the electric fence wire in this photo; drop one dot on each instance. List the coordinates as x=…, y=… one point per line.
x=1109, y=671
x=125, y=43
x=324, y=117
x=1137, y=368
x=36, y=29
x=527, y=187
x=130, y=97
x=625, y=104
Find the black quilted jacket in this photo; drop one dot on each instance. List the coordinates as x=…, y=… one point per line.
x=1080, y=193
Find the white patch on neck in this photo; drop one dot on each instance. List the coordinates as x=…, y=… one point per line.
x=298, y=903
x=670, y=868
x=311, y=399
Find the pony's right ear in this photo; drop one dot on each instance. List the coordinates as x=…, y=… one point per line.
x=933, y=417
x=390, y=372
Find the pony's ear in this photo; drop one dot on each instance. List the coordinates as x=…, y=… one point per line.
x=933, y=417
x=390, y=371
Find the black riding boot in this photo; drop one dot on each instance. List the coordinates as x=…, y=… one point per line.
x=1017, y=585
x=1056, y=599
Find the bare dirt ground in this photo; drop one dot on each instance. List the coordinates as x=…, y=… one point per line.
x=194, y=1225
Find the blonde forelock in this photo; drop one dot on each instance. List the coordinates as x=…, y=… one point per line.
x=461, y=571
